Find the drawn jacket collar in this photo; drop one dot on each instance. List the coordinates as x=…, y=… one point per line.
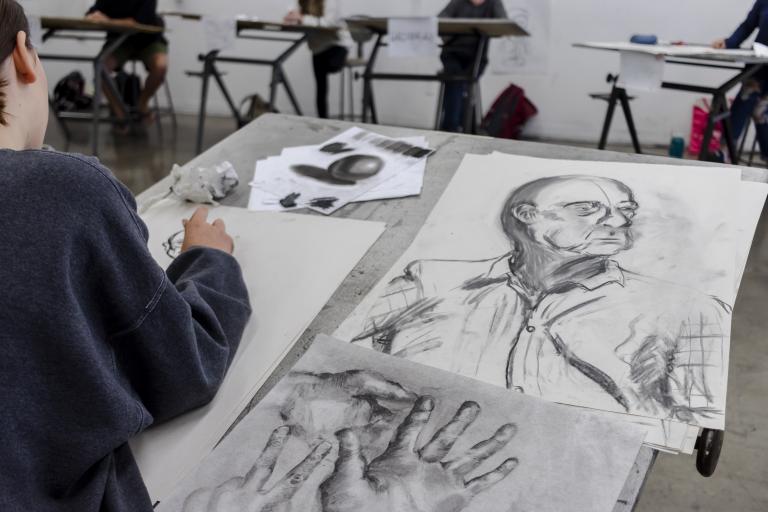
x=588, y=278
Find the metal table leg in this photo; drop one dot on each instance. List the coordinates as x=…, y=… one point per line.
x=368, y=101
x=470, y=101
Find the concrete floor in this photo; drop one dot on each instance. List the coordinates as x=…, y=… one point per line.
x=741, y=481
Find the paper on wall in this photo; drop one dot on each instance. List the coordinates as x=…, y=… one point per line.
x=292, y=264
x=413, y=37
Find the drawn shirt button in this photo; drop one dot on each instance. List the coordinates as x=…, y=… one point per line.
x=530, y=328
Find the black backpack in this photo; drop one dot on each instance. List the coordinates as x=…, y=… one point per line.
x=69, y=93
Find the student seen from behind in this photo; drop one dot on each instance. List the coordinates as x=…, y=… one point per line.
x=150, y=49
x=98, y=342
x=752, y=101
x=329, y=50
x=459, y=54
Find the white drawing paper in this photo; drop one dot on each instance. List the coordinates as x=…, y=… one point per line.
x=352, y=430
x=406, y=183
x=602, y=285
x=413, y=37
x=220, y=32
x=668, y=50
x=339, y=171
x=524, y=55
x=641, y=71
x=292, y=264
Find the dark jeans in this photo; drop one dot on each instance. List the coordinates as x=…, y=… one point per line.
x=752, y=102
x=456, y=92
x=326, y=63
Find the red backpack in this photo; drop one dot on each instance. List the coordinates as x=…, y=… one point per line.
x=509, y=113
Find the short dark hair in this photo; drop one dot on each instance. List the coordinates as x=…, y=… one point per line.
x=12, y=21
x=512, y=226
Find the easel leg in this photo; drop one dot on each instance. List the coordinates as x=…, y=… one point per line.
x=630, y=121
x=224, y=91
x=440, y=111
x=291, y=95
x=608, y=118
x=97, y=93
x=730, y=143
x=203, y=106
x=710, y=129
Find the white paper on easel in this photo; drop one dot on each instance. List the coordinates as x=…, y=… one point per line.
x=291, y=265
x=413, y=37
x=641, y=71
x=220, y=33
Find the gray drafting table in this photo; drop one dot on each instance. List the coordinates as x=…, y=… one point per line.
x=259, y=30
x=743, y=63
x=404, y=217
x=448, y=28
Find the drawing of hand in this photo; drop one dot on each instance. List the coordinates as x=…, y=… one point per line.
x=249, y=493
x=319, y=405
x=408, y=479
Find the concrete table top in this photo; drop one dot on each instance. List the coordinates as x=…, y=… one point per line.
x=269, y=134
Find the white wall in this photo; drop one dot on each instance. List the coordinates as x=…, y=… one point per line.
x=562, y=95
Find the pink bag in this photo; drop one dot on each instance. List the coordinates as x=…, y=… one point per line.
x=699, y=125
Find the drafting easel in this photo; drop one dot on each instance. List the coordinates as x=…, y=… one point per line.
x=259, y=31
x=744, y=68
x=81, y=29
x=483, y=30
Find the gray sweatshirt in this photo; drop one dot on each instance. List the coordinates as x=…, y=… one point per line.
x=97, y=341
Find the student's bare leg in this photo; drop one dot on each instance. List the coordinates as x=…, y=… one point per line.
x=117, y=107
x=157, y=69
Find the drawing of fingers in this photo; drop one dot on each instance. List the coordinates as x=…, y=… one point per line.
x=287, y=487
x=350, y=465
x=408, y=432
x=488, y=480
x=262, y=469
x=444, y=439
x=482, y=451
x=371, y=383
x=247, y=493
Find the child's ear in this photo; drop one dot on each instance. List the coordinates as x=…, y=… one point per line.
x=24, y=59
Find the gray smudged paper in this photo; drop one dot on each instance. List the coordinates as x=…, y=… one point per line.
x=350, y=429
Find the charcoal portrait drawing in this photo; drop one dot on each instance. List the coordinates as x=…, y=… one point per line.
x=557, y=317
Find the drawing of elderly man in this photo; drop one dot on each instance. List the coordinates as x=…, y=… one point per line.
x=557, y=317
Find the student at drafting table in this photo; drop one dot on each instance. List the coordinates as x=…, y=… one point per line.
x=151, y=49
x=98, y=342
x=329, y=52
x=459, y=54
x=752, y=101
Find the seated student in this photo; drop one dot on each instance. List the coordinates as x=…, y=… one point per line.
x=98, y=342
x=151, y=49
x=458, y=57
x=329, y=52
x=752, y=101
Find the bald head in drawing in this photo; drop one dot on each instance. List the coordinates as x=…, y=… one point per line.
x=565, y=221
